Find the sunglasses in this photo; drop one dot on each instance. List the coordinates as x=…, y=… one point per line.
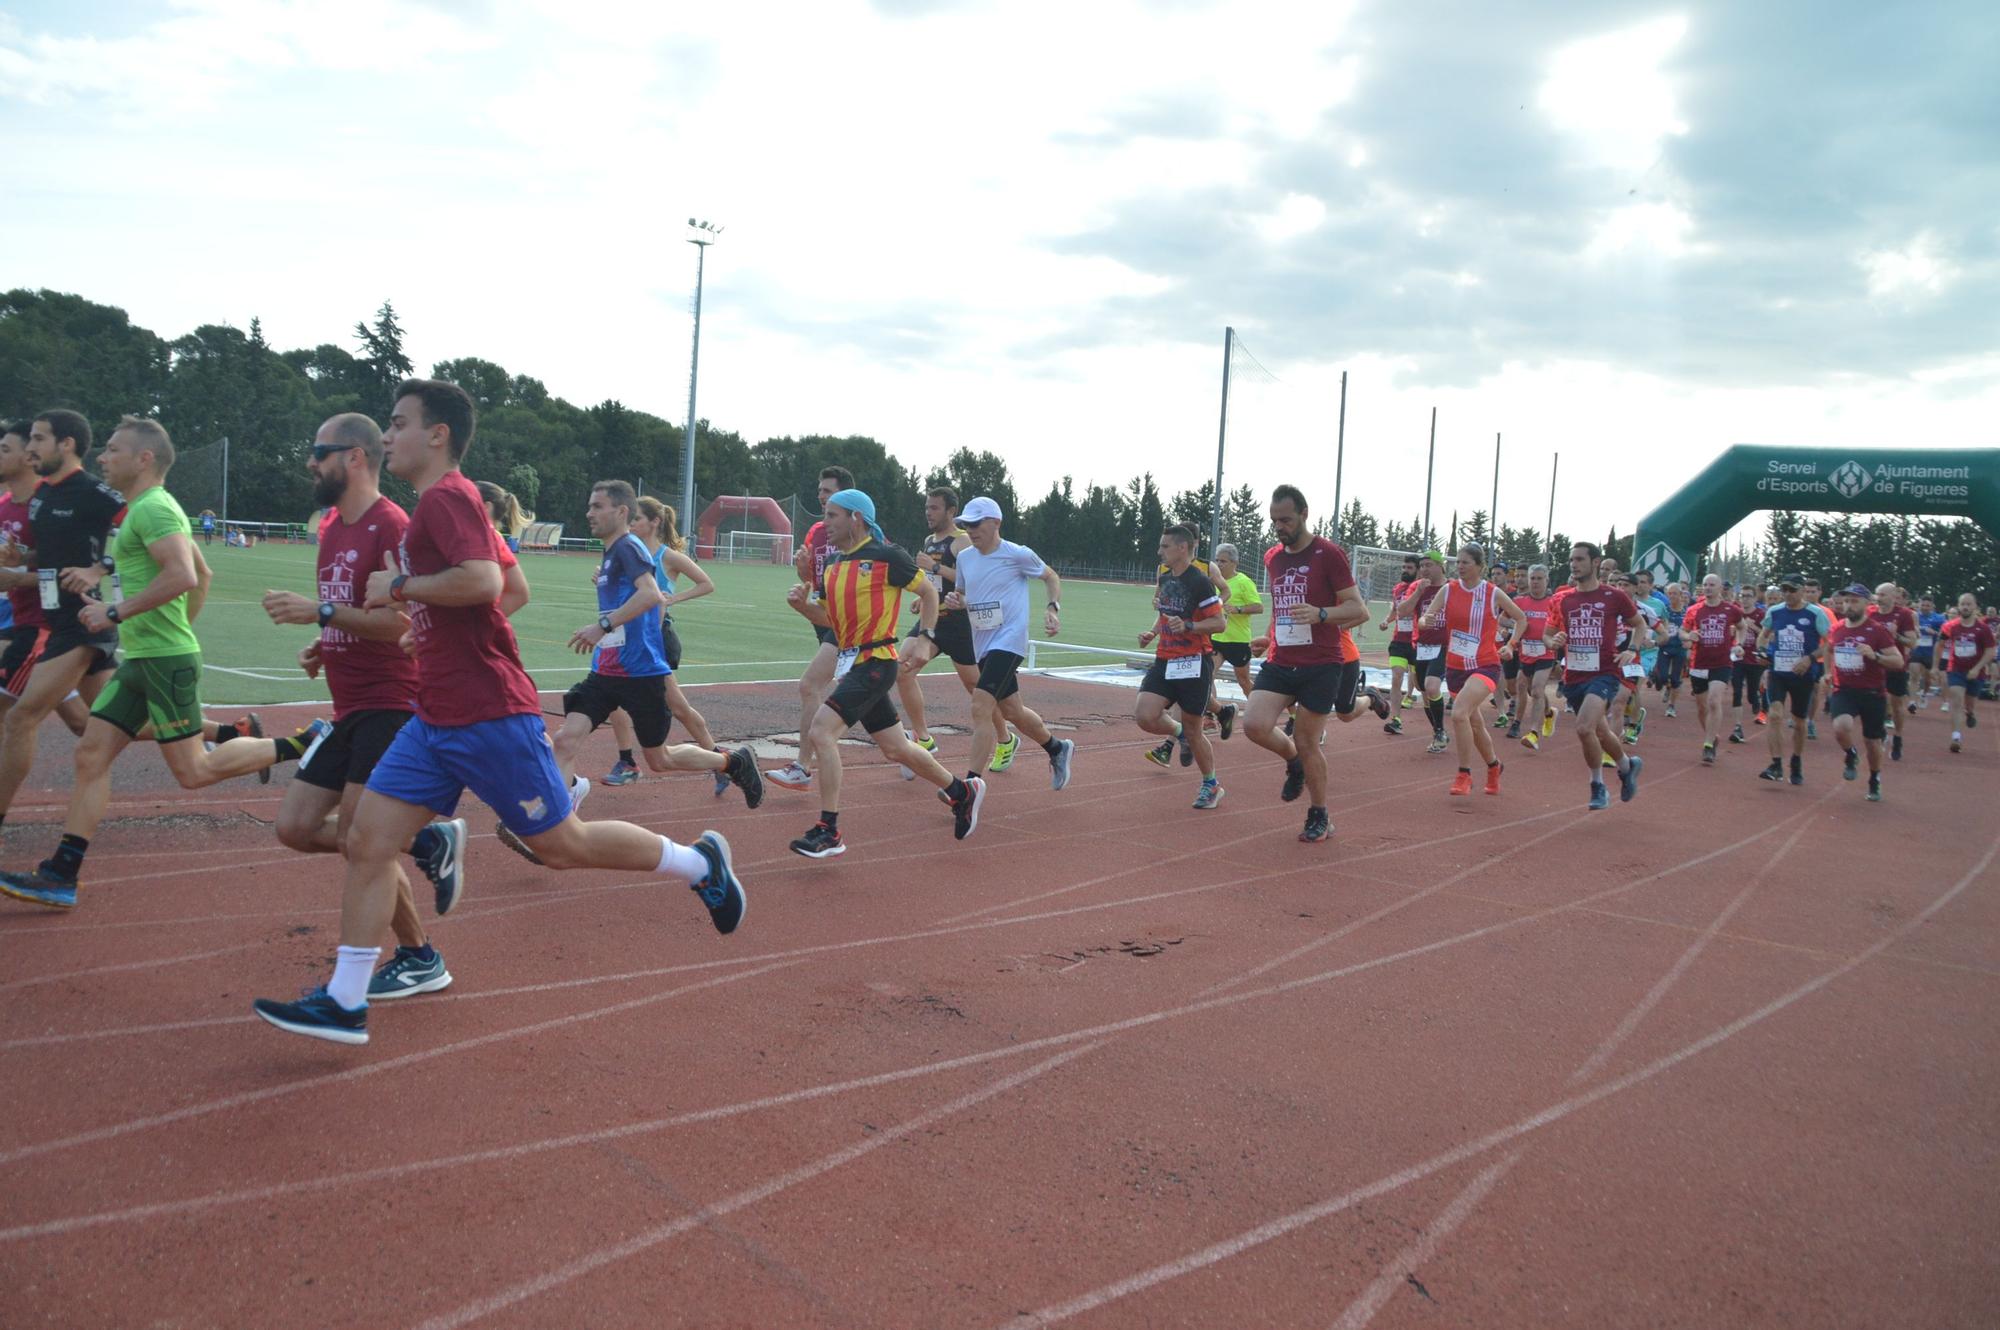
x=322, y=451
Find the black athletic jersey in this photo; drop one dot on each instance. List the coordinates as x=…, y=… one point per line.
x=939, y=548
x=73, y=524
x=1188, y=596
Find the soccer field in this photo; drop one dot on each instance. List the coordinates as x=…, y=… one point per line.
x=744, y=632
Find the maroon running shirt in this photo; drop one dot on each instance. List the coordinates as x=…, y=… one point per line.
x=1850, y=668
x=1900, y=621
x=1959, y=644
x=1315, y=575
x=1591, y=622
x=363, y=674
x=468, y=664
x=15, y=526
x=1711, y=631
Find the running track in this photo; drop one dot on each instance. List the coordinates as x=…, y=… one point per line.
x=1721, y=1057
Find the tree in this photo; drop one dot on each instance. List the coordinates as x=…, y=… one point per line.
x=971, y=474
x=59, y=350
x=1357, y=526
x=382, y=354
x=1244, y=525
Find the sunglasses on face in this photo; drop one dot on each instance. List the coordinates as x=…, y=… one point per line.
x=322, y=451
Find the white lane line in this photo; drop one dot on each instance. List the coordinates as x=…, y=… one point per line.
x=155, y=963
x=653, y=1237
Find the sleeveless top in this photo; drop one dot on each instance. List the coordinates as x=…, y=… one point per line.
x=1472, y=622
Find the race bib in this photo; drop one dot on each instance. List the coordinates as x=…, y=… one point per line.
x=1582, y=660
x=613, y=639
x=1294, y=634
x=1465, y=646
x=1635, y=671
x=844, y=662
x=1428, y=650
x=985, y=616
x=1184, y=667
x=1784, y=664
x=1847, y=658
x=51, y=593
x=1534, y=649
x=1405, y=627
x=1697, y=674
x=1736, y=653
x=117, y=596
x=1960, y=646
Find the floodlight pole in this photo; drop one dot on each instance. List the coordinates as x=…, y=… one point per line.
x=1549, y=531
x=1339, y=454
x=1430, y=467
x=1221, y=440
x=701, y=235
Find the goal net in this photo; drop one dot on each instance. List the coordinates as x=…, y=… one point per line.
x=1376, y=572
x=742, y=546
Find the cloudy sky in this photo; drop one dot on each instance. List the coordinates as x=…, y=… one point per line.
x=1634, y=233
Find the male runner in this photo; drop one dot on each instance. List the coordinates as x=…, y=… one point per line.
x=1402, y=646
x=478, y=724
x=1966, y=645
x=1711, y=624
x=1792, y=640
x=1671, y=661
x=1864, y=652
x=1746, y=667
x=938, y=560
x=858, y=603
x=1242, y=604
x=1589, y=615
x=160, y=682
x=1429, y=643
x=1312, y=662
x=1652, y=608
x=1893, y=610
x=374, y=687
x=810, y=564
x=991, y=595
x=629, y=669
x=1811, y=590
x=1187, y=609
x=1537, y=660
x=30, y=632
x=1922, y=655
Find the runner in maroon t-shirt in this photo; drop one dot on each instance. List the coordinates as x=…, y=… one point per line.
x=1892, y=610
x=1402, y=644
x=1312, y=661
x=1587, y=620
x=1863, y=652
x=1710, y=625
x=1964, y=649
x=1429, y=643
x=810, y=564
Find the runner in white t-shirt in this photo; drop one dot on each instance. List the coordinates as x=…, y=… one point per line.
x=992, y=589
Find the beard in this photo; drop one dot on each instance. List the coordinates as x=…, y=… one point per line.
x=48, y=468
x=328, y=488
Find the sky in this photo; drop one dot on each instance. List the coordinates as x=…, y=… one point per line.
x=1633, y=234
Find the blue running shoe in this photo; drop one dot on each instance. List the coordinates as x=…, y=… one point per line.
x=407, y=974
x=439, y=850
x=621, y=773
x=1628, y=780
x=719, y=891
x=1059, y=763
x=40, y=887
x=1600, y=797
x=1209, y=795
x=317, y=1016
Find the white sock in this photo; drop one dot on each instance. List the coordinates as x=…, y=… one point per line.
x=579, y=788
x=352, y=967
x=681, y=862
x=1624, y=764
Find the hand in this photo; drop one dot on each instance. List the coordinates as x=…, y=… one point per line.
x=1626, y=658
x=290, y=607
x=1506, y=651
x=1259, y=646
x=798, y=594
x=1869, y=653
x=926, y=562
x=378, y=583
x=1803, y=665
x=309, y=660
x=1146, y=638
x=921, y=651
x=1176, y=625
x=585, y=640
x=12, y=555
x=95, y=616
x=1557, y=640
x=408, y=641
x=82, y=581
x=1050, y=623
x=1382, y=626
x=952, y=600
x=1302, y=613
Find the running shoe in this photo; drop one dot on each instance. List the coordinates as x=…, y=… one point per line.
x=1059, y=763
x=720, y=891
x=1607, y=761
x=1639, y=725
x=1493, y=777
x=1812, y=730
x=42, y=887
x=792, y=776
x=1774, y=772
x=1514, y=731
x=1670, y=711
x=1187, y=749
x=722, y=783
x=1295, y=781
x=505, y=835
x=1317, y=826
x=1913, y=708
x=579, y=790
x=1708, y=754
x=927, y=743
x=1161, y=754
x=1003, y=752
x=1549, y=726
x=1409, y=700
x=309, y=737
x=1438, y=742
x=1394, y=725
x=1501, y=722
x=317, y=1016
x=1895, y=748
x=439, y=850
x=1874, y=789
x=819, y=842
x=1971, y=719
x=1600, y=798
x=1850, y=768
x=746, y=777
x=1289, y=720
x=1736, y=735
x=1210, y=795
x=1798, y=772
x=1628, y=780
x=1956, y=740
x=1944, y=708
x=965, y=813
x=1461, y=783
x=621, y=773
x=1380, y=706
x=1763, y=717
x=407, y=974
x=1531, y=741
x=1225, y=721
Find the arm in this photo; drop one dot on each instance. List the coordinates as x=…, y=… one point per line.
x=513, y=590
x=645, y=595
x=1515, y=615
x=924, y=648
x=800, y=598
x=204, y=578
x=1051, y=618
x=802, y=562
x=384, y=625
x=175, y=556
x=687, y=569
x=474, y=582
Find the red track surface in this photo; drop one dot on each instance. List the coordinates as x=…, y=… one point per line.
x=1720, y=1057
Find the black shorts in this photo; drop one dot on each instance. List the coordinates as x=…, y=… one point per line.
x=642, y=698
x=349, y=752
x=1189, y=694
x=1783, y=684
x=997, y=674
x=1236, y=653
x=1430, y=669
x=954, y=639
x=861, y=696
x=1320, y=689
x=1699, y=680
x=64, y=640
x=670, y=646
x=1536, y=664
x=1511, y=667
x=17, y=663
x=1872, y=707
x=1899, y=683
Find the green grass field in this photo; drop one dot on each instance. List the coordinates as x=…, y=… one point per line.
x=743, y=632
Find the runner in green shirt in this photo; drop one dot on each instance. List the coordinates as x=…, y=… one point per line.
x=1244, y=604
x=155, y=589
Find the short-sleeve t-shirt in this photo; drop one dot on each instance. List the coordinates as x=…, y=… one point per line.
x=823, y=551
x=632, y=649
x=1315, y=575
x=1591, y=622
x=1538, y=609
x=1794, y=633
x=16, y=528
x=995, y=589
x=1429, y=637
x=1187, y=595
x=468, y=663
x=1401, y=628
x=1927, y=630
x=1901, y=622
x=72, y=520
x=1850, y=669
x=1712, y=630
x=859, y=593
x=363, y=674
x=1242, y=592
x=1959, y=643
x=162, y=630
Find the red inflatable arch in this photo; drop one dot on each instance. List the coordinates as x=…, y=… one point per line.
x=741, y=505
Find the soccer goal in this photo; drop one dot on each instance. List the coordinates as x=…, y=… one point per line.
x=1376, y=571
x=755, y=547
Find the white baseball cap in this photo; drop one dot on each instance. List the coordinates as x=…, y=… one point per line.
x=979, y=510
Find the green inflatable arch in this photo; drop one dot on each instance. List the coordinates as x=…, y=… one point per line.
x=1932, y=482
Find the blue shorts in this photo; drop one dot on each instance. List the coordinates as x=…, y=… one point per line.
x=1605, y=686
x=1920, y=656
x=507, y=762
x=1953, y=679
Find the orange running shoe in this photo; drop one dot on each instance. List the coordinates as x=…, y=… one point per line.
x=1493, y=777
x=1462, y=782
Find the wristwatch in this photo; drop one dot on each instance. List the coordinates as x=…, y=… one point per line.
x=396, y=586
x=604, y=623
x=111, y=613
x=926, y=633
x=1056, y=605
x=325, y=613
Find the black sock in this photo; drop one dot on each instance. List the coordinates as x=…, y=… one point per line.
x=68, y=860
x=289, y=749
x=425, y=953
x=1467, y=771
x=830, y=820
x=1494, y=763
x=224, y=733
x=730, y=762
x=956, y=791
x=1053, y=746
x=625, y=756
x=1435, y=710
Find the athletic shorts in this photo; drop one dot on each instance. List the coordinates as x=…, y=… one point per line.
x=954, y=639
x=347, y=755
x=1236, y=653
x=1402, y=654
x=1668, y=669
x=1598, y=685
x=1898, y=682
x=17, y=663
x=1510, y=668
x=1426, y=669
x=507, y=762
x=670, y=647
x=1746, y=678
x=1952, y=679
x=1782, y=685
x=62, y=641
x=1320, y=689
x=997, y=674
x=1455, y=679
x=861, y=696
x=1921, y=656
x=1189, y=694
x=1871, y=707
x=1536, y=664
x=165, y=690
x=1700, y=679
x=641, y=697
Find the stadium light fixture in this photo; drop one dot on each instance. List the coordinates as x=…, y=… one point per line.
x=701, y=235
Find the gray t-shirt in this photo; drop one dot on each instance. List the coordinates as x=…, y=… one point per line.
x=995, y=587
